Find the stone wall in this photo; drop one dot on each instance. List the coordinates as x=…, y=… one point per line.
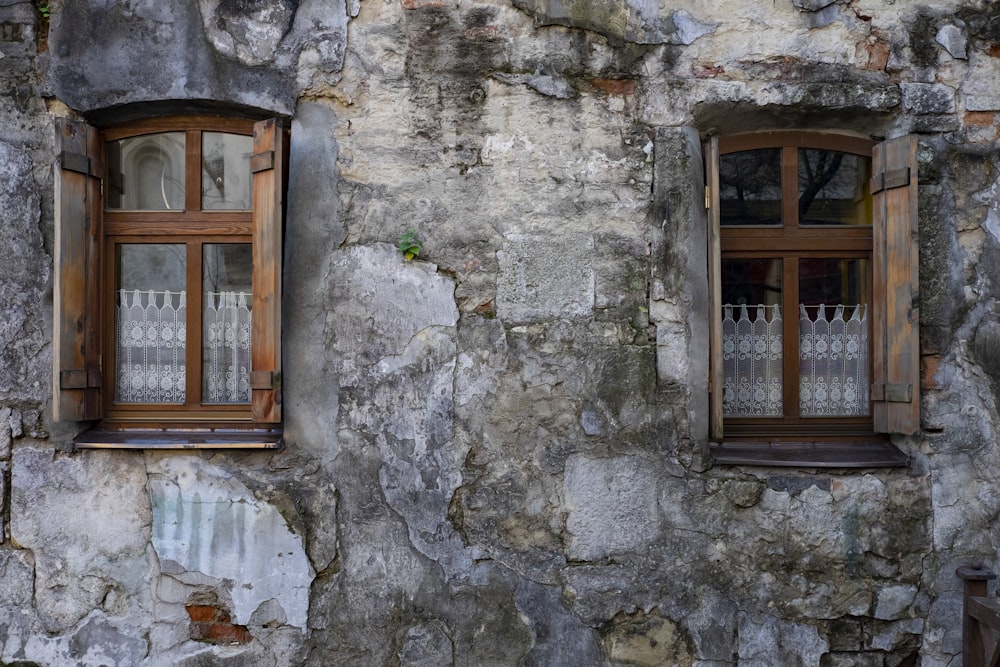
x=496, y=454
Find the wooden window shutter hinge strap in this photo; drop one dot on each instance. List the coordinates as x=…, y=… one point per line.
x=78, y=163
x=892, y=393
x=887, y=180
x=79, y=379
x=262, y=162
x=265, y=380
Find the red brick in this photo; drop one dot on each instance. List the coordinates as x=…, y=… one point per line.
x=979, y=118
x=616, y=86
x=212, y=625
x=930, y=364
x=203, y=613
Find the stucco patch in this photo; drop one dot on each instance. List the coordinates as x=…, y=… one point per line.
x=207, y=522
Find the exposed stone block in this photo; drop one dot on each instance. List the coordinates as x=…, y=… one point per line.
x=954, y=40
x=612, y=505
x=928, y=98
x=545, y=277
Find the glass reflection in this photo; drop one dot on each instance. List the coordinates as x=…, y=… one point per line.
x=225, y=171
x=833, y=188
x=146, y=173
x=750, y=187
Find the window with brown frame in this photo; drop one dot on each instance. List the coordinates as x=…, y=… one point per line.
x=813, y=279
x=167, y=300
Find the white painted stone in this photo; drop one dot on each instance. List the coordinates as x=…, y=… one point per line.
x=207, y=522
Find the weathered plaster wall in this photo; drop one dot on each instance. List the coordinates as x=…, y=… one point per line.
x=496, y=454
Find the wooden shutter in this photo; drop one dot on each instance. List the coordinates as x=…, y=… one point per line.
x=895, y=344
x=76, y=336
x=269, y=166
x=714, y=289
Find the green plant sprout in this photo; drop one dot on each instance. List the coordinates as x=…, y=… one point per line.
x=45, y=10
x=410, y=244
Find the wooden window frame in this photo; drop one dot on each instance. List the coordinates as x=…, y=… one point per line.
x=86, y=236
x=891, y=243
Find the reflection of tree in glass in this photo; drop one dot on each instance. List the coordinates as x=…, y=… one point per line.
x=816, y=170
x=750, y=186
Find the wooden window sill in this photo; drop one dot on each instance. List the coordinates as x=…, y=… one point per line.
x=855, y=454
x=189, y=438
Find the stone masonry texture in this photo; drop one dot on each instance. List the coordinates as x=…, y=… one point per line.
x=496, y=454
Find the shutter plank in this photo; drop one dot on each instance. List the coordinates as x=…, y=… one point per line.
x=269, y=137
x=895, y=330
x=76, y=295
x=714, y=290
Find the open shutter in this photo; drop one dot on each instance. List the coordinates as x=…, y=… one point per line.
x=714, y=289
x=269, y=165
x=896, y=348
x=76, y=337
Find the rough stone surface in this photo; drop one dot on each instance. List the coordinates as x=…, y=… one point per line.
x=497, y=454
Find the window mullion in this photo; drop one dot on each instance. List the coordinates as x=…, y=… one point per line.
x=789, y=188
x=192, y=171
x=194, y=316
x=790, y=335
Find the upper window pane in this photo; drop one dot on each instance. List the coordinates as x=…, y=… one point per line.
x=225, y=171
x=750, y=187
x=146, y=173
x=833, y=188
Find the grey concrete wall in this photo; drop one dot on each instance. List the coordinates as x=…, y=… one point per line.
x=496, y=454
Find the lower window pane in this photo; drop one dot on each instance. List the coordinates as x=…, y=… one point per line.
x=150, y=321
x=833, y=338
x=751, y=338
x=226, y=323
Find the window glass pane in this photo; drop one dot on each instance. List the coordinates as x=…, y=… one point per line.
x=146, y=173
x=750, y=187
x=226, y=323
x=833, y=337
x=150, y=321
x=751, y=338
x=833, y=188
x=225, y=171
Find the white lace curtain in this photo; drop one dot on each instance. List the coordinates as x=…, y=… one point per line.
x=227, y=347
x=151, y=344
x=751, y=361
x=833, y=361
